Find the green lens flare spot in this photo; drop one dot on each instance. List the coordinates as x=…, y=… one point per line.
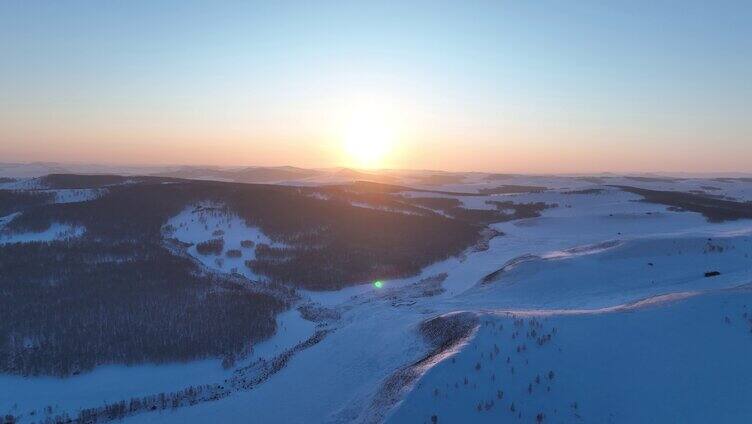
x=378, y=284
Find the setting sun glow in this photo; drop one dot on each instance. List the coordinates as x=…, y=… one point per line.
x=367, y=143
x=369, y=134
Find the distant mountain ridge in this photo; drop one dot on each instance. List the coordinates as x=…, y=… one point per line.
x=245, y=175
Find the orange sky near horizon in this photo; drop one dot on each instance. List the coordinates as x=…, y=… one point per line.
x=524, y=87
x=484, y=155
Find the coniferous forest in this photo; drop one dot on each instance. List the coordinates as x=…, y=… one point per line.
x=125, y=293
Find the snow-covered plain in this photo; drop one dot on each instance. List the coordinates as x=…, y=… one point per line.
x=607, y=294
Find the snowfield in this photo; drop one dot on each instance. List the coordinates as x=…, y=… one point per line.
x=675, y=362
x=210, y=221
x=605, y=309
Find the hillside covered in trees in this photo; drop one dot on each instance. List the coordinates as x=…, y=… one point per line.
x=69, y=306
x=331, y=243
x=124, y=292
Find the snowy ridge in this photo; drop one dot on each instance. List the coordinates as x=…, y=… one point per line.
x=582, y=250
x=447, y=334
x=657, y=300
x=560, y=254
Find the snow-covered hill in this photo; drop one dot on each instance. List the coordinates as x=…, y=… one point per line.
x=673, y=361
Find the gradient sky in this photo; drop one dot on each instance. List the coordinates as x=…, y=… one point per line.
x=517, y=86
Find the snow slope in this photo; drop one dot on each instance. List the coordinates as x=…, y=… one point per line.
x=678, y=362
x=623, y=273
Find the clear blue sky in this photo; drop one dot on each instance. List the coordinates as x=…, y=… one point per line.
x=499, y=85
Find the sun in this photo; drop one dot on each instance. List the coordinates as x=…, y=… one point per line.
x=366, y=143
x=368, y=135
